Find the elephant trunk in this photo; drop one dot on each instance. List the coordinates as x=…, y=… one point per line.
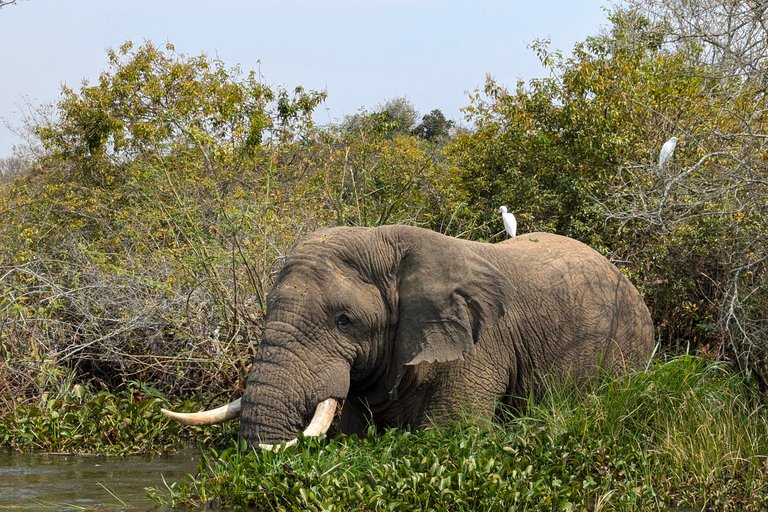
x=294, y=384
x=286, y=387
x=319, y=425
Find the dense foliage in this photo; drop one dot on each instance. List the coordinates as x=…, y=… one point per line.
x=144, y=235
x=577, y=153
x=82, y=420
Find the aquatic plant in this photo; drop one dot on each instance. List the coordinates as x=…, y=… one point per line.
x=125, y=422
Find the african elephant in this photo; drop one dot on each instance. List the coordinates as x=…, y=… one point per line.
x=406, y=325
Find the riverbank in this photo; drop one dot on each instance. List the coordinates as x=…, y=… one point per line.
x=685, y=432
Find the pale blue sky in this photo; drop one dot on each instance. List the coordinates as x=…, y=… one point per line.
x=361, y=52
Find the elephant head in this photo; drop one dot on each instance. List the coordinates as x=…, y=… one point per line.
x=397, y=321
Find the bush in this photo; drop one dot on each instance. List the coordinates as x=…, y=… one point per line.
x=81, y=420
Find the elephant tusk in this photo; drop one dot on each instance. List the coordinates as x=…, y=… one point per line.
x=212, y=417
x=320, y=424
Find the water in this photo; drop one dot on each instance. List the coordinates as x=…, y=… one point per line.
x=50, y=482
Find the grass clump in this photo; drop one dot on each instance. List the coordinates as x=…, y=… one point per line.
x=684, y=433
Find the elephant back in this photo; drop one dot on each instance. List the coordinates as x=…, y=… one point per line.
x=574, y=307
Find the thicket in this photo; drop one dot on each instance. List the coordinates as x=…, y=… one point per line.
x=158, y=204
x=85, y=420
x=154, y=206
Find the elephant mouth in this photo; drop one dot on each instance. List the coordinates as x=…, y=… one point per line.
x=321, y=420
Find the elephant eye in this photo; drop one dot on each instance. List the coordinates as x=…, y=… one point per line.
x=342, y=322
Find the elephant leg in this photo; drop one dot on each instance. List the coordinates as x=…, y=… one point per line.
x=473, y=388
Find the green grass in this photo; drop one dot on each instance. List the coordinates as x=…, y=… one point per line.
x=684, y=433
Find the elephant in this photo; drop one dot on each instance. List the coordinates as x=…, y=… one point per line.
x=406, y=326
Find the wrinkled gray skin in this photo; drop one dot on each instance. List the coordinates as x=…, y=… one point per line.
x=435, y=325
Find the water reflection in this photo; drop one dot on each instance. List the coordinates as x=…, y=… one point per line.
x=35, y=481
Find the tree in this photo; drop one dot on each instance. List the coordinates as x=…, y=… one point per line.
x=732, y=36
x=377, y=172
x=395, y=116
x=724, y=183
x=160, y=202
x=400, y=113
x=433, y=126
x=10, y=168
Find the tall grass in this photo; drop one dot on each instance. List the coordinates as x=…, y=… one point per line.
x=683, y=433
x=704, y=425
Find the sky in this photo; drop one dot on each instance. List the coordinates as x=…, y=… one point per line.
x=361, y=52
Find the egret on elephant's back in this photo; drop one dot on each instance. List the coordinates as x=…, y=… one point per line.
x=510, y=223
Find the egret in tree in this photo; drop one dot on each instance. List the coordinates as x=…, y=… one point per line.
x=510, y=223
x=665, y=155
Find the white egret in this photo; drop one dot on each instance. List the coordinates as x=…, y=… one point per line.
x=510, y=223
x=665, y=155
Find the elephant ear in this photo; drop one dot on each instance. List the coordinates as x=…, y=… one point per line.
x=448, y=297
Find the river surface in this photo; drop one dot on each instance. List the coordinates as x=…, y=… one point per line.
x=56, y=482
